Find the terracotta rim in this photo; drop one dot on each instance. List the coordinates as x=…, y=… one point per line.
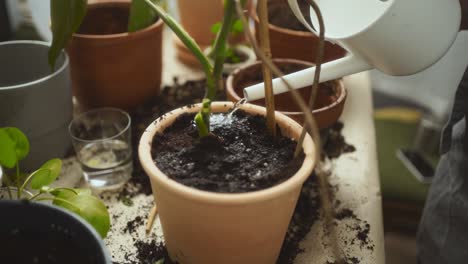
x=159, y=23
x=282, y=29
x=146, y=160
x=231, y=90
x=57, y=72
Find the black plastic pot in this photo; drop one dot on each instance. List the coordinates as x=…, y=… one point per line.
x=39, y=233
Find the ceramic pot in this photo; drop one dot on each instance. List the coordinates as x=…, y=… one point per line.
x=111, y=67
x=36, y=100
x=208, y=227
x=329, y=103
x=53, y=236
x=294, y=44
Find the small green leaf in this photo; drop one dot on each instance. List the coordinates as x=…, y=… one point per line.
x=46, y=174
x=237, y=26
x=161, y=261
x=141, y=15
x=90, y=208
x=7, y=150
x=215, y=28
x=66, y=17
x=20, y=140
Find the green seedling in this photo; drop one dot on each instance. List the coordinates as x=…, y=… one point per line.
x=14, y=147
x=230, y=53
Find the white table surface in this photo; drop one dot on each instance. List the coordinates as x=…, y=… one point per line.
x=354, y=177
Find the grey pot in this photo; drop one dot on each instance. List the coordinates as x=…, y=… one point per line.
x=35, y=99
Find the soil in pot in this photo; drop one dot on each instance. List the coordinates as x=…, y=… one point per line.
x=242, y=157
x=327, y=94
x=279, y=14
x=116, y=18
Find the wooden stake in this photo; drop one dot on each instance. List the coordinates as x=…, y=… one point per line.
x=267, y=76
x=151, y=217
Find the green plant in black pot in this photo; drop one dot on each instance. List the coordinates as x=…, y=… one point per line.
x=14, y=146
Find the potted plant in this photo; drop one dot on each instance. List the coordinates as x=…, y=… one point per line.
x=203, y=206
x=27, y=88
x=329, y=102
x=288, y=37
x=14, y=147
x=40, y=233
x=115, y=50
x=198, y=18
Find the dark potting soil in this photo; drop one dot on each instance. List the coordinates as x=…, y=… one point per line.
x=280, y=14
x=335, y=143
x=241, y=157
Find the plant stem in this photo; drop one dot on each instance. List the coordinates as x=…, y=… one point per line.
x=18, y=179
x=35, y=196
x=267, y=77
x=58, y=199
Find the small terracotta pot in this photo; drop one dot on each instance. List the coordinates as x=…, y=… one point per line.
x=293, y=44
x=202, y=227
x=111, y=67
x=329, y=103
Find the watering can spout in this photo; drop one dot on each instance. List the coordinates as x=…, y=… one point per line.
x=330, y=71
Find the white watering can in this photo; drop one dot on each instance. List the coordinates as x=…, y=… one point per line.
x=397, y=37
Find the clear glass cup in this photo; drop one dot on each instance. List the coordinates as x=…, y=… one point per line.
x=102, y=142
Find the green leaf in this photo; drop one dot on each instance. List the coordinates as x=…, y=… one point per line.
x=215, y=28
x=89, y=208
x=141, y=15
x=20, y=140
x=66, y=17
x=161, y=261
x=46, y=174
x=7, y=150
x=237, y=26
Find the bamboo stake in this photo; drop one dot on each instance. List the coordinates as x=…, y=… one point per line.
x=267, y=76
x=151, y=218
x=312, y=128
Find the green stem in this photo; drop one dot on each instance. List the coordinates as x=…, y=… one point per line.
x=220, y=46
x=186, y=39
x=18, y=179
x=58, y=199
x=35, y=196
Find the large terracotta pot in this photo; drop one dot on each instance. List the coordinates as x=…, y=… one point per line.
x=111, y=67
x=329, y=103
x=202, y=227
x=293, y=44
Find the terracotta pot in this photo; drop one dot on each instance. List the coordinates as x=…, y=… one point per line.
x=197, y=18
x=293, y=44
x=330, y=100
x=248, y=55
x=111, y=67
x=203, y=227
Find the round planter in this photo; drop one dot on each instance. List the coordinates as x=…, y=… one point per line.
x=39, y=233
x=294, y=44
x=246, y=51
x=236, y=228
x=330, y=100
x=111, y=67
x=36, y=100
